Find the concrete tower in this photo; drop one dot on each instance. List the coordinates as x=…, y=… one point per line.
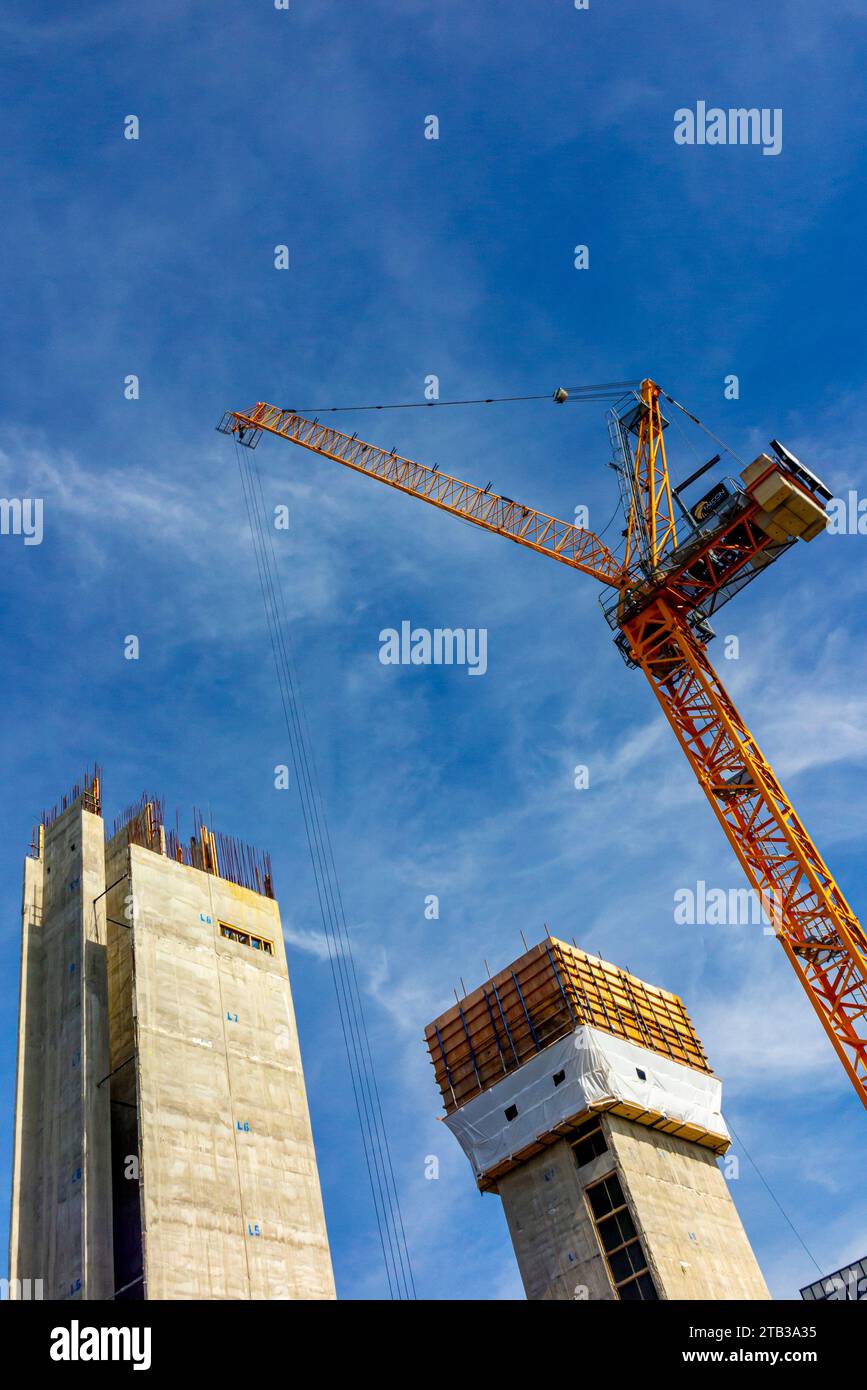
x=584, y=1098
x=163, y=1146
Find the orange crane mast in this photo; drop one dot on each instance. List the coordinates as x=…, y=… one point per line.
x=679, y=567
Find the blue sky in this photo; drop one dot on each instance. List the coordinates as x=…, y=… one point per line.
x=454, y=257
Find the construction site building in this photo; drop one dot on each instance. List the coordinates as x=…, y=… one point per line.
x=162, y=1139
x=583, y=1097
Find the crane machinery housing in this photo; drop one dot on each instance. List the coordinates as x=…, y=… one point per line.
x=680, y=564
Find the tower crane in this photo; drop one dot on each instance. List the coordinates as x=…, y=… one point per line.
x=680, y=565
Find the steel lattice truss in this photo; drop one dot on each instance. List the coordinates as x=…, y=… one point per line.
x=815, y=925
x=536, y=530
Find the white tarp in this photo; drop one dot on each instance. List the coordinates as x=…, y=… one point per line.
x=597, y=1067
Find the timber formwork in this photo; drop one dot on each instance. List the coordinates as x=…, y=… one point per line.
x=548, y=992
x=540, y=998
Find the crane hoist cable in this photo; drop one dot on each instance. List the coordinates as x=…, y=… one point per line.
x=365, y=1089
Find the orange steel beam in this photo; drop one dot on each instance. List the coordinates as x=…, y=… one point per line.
x=561, y=540
x=816, y=927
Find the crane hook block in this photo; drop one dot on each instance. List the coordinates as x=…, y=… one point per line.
x=560, y=395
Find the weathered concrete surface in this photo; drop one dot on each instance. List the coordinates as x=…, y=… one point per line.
x=230, y=1198
x=552, y=1234
x=691, y=1233
x=27, y=1253
x=61, y=1193
x=162, y=1140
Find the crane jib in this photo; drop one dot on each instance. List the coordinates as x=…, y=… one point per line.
x=571, y=545
x=669, y=581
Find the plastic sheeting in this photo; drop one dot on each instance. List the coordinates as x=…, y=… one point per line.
x=597, y=1068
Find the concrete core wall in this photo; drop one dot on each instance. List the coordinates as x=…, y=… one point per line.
x=552, y=1235
x=162, y=1146
x=61, y=1192
x=690, y=1231
x=230, y=1199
